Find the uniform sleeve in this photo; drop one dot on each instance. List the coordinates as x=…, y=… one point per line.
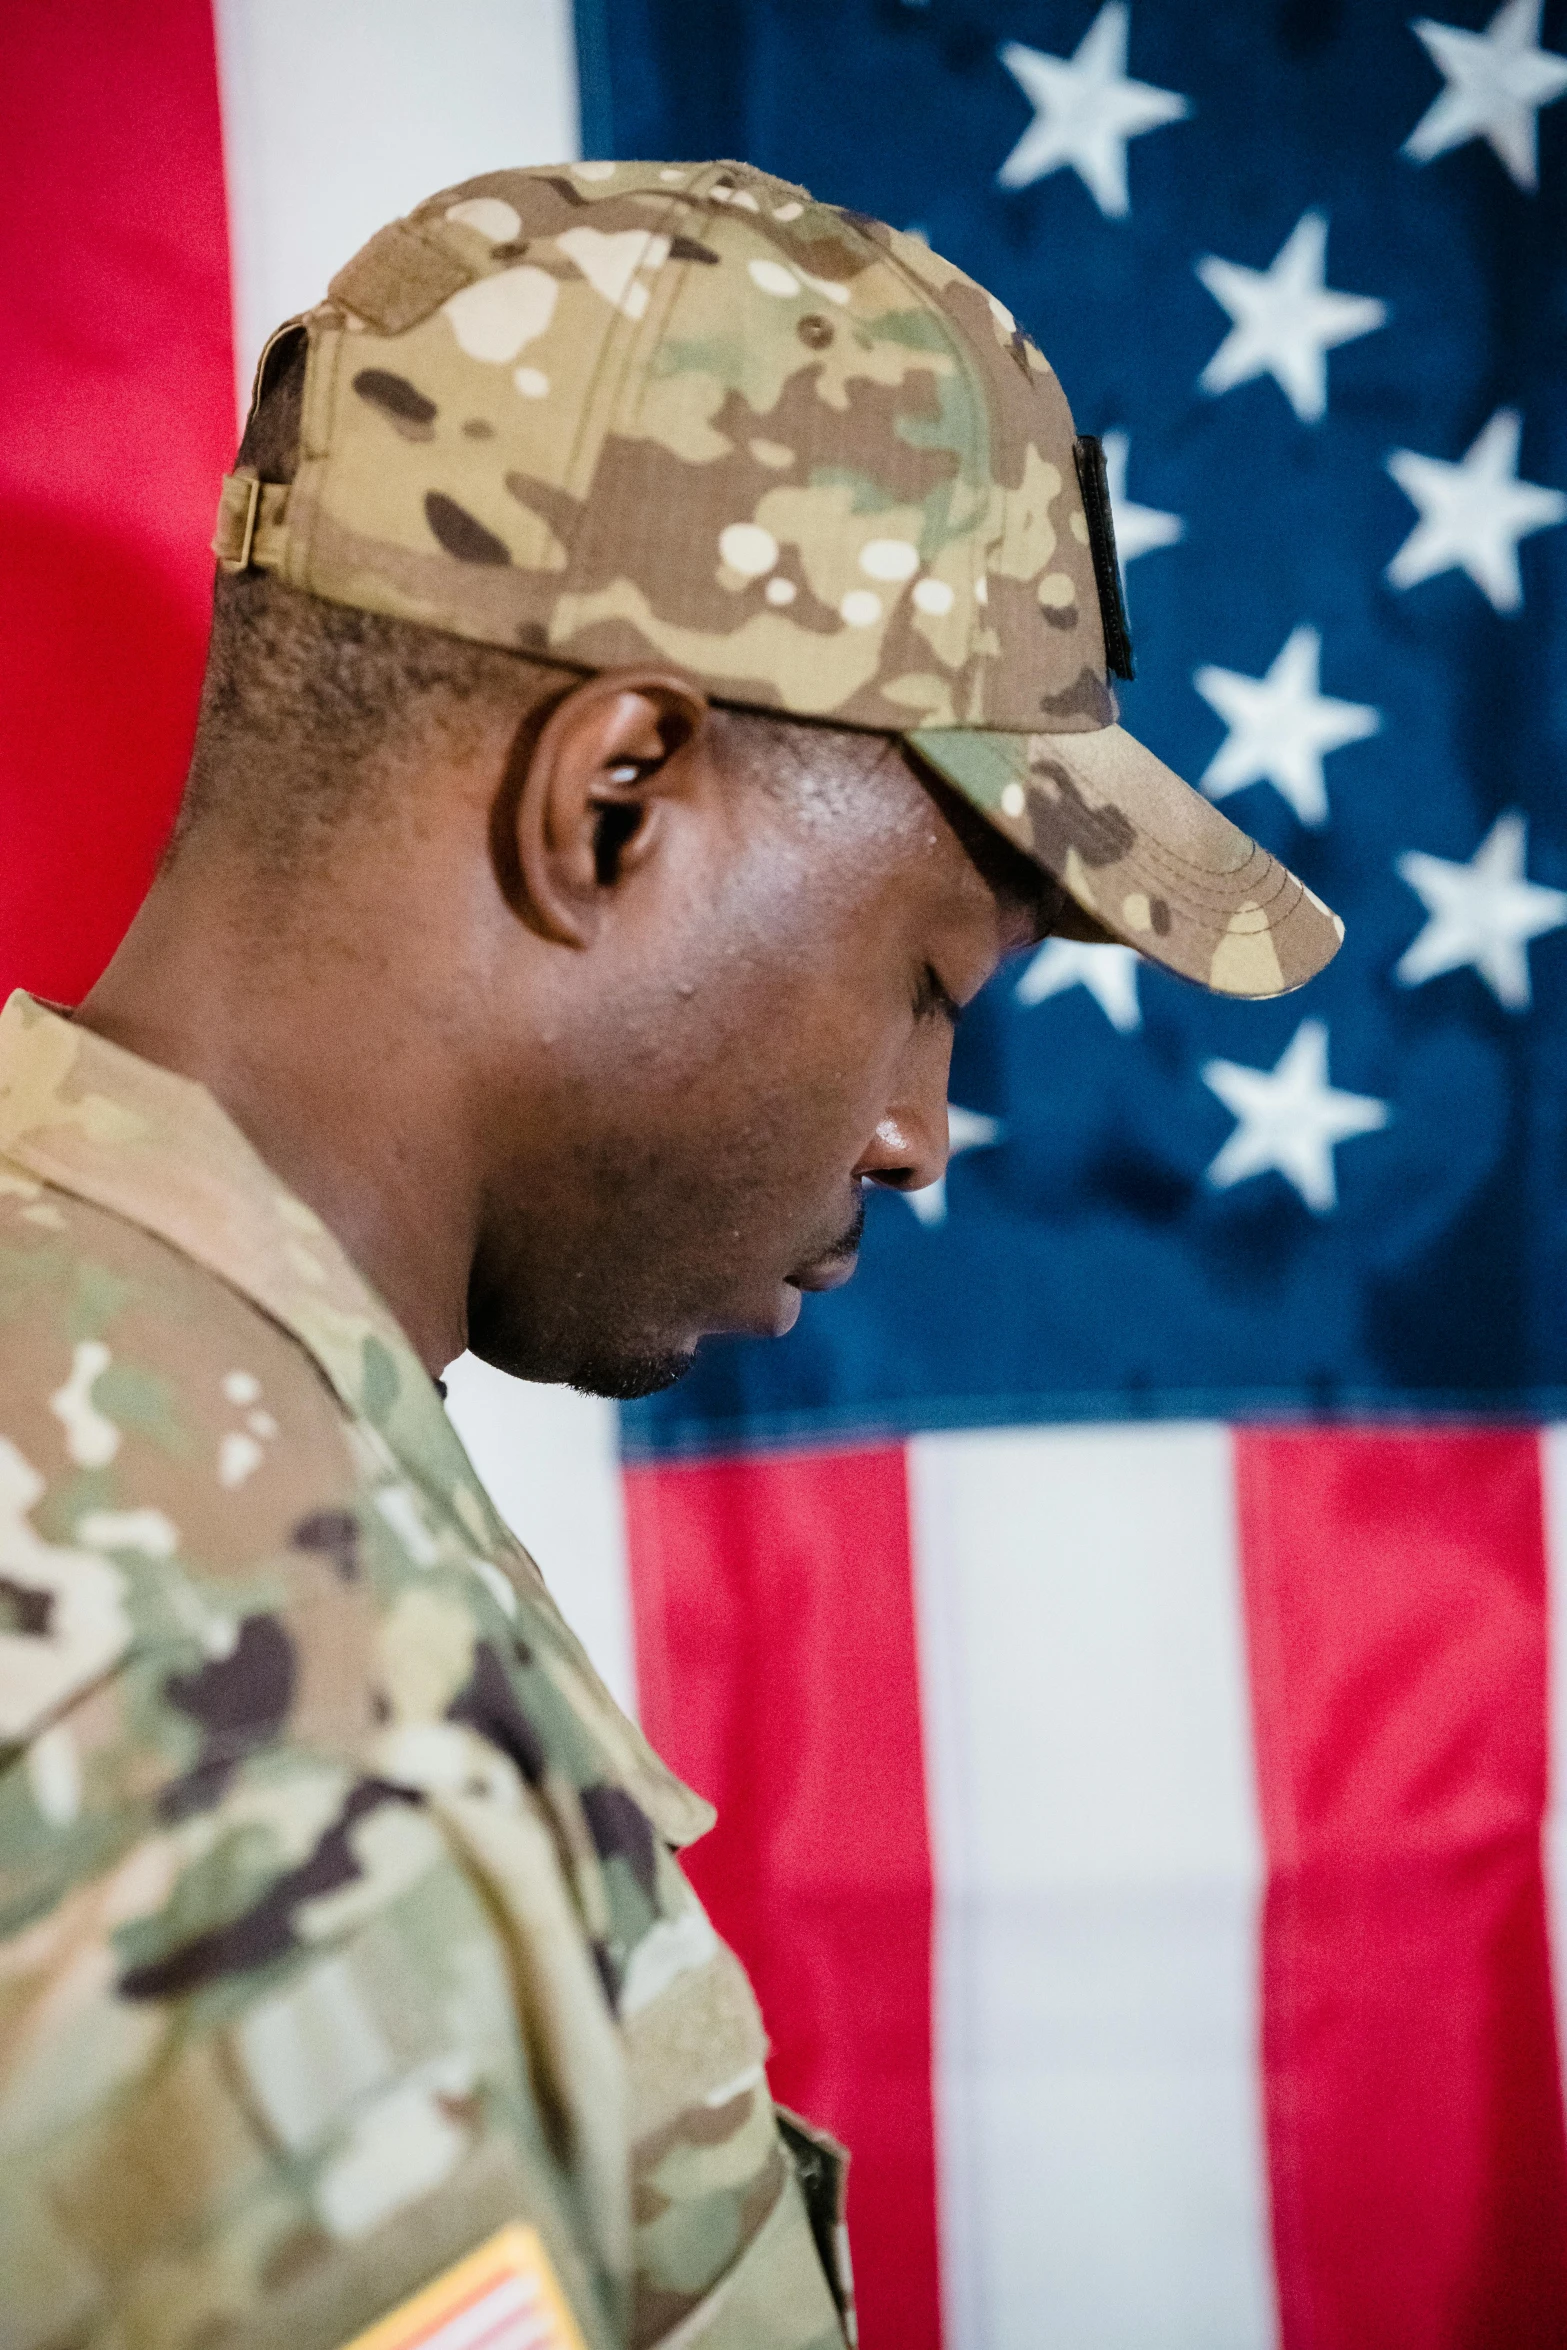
x=269, y=2060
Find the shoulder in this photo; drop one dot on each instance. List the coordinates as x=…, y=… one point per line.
x=179, y=1533
x=128, y=1370
x=162, y=1444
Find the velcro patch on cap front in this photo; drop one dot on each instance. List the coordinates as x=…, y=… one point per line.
x=1093, y=480
x=503, y=2296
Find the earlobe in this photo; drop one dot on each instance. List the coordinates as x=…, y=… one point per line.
x=584, y=799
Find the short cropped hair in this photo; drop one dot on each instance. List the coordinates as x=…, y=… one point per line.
x=300, y=695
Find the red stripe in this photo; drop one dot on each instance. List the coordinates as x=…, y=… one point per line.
x=482, y=2290
x=1396, y=1599
x=778, y=1672
x=119, y=401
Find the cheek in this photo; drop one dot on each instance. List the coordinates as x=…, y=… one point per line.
x=818, y=1058
x=770, y=1051
x=761, y=1124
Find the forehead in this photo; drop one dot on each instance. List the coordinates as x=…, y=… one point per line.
x=1025, y=897
x=873, y=799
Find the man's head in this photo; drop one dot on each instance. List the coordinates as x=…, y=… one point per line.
x=691, y=970
x=660, y=663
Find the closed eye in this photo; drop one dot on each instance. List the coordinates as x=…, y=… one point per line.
x=932, y=1000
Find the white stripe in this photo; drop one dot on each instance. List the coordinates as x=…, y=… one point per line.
x=514, y=2301
x=1553, y=1478
x=1098, y=1863
x=337, y=116
x=340, y=114
x=549, y=1459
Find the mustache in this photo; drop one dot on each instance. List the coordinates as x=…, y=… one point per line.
x=848, y=1243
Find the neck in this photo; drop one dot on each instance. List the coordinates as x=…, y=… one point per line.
x=297, y=1018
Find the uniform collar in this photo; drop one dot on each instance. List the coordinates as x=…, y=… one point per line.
x=100, y=1122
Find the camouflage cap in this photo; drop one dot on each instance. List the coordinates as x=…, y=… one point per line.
x=619, y=410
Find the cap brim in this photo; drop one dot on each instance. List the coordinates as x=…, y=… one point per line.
x=1142, y=855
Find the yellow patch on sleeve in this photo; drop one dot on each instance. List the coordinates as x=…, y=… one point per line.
x=502, y=2297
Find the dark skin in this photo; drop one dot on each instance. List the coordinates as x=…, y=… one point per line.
x=583, y=1041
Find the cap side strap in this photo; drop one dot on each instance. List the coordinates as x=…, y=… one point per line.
x=251, y=526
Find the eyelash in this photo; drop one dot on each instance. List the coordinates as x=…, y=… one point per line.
x=931, y=997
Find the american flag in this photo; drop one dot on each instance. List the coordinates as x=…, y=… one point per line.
x=1121, y=1629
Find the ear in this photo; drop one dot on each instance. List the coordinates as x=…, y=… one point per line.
x=588, y=794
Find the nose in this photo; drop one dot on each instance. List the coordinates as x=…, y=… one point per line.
x=909, y=1146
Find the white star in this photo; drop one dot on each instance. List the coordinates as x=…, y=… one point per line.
x=1484, y=913
x=1473, y=514
x=1138, y=529
x=1085, y=110
x=967, y=1130
x=1281, y=727
x=1108, y=973
x=1497, y=81
x=1290, y=1119
x=1286, y=319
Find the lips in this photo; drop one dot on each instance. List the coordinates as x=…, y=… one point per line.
x=835, y=1265
x=829, y=1272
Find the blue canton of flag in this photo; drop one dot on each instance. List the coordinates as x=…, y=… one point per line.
x=1304, y=268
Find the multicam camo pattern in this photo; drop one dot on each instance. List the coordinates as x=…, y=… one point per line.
x=339, y=1915
x=689, y=412
x=614, y=411
x=1144, y=859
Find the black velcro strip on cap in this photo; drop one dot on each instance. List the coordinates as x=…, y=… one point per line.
x=1095, y=486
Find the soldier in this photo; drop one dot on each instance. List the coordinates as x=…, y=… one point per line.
x=659, y=665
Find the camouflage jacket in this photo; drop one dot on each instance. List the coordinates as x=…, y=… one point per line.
x=340, y=1923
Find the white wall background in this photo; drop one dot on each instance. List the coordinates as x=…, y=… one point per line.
x=340, y=114
x=337, y=116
